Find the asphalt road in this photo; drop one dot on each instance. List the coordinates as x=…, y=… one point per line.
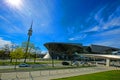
x=33, y=66
x=7, y=67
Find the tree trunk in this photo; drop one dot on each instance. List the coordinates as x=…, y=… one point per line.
x=10, y=60
x=15, y=64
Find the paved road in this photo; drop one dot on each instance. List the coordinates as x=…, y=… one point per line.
x=34, y=66
x=52, y=74
x=7, y=67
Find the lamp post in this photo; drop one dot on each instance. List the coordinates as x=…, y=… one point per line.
x=28, y=41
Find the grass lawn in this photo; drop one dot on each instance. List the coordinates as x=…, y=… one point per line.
x=108, y=75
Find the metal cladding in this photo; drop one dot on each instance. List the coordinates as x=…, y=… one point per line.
x=63, y=47
x=102, y=49
x=67, y=51
x=75, y=47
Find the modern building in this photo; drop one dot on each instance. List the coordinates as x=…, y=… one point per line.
x=102, y=49
x=63, y=50
x=70, y=51
x=71, y=48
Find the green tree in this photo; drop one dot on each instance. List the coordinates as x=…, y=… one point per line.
x=30, y=48
x=17, y=54
x=37, y=51
x=2, y=53
x=13, y=47
x=6, y=49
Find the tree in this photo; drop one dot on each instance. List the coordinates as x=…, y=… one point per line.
x=30, y=48
x=2, y=53
x=6, y=49
x=17, y=54
x=13, y=47
x=35, y=53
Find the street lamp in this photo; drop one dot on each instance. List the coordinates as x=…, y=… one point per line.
x=28, y=41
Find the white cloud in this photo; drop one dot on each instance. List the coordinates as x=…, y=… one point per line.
x=78, y=37
x=4, y=42
x=16, y=29
x=112, y=23
x=115, y=14
x=13, y=28
x=71, y=29
x=98, y=15
x=96, y=28
x=108, y=38
x=5, y=19
x=110, y=33
x=42, y=17
x=113, y=20
x=115, y=42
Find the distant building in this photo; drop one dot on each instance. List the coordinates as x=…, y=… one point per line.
x=102, y=49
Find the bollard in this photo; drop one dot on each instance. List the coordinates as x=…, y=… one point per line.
x=0, y=76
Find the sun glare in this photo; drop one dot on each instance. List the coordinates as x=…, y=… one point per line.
x=14, y=3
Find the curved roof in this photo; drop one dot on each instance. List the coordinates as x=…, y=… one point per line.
x=63, y=47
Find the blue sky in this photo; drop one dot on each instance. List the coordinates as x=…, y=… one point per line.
x=77, y=21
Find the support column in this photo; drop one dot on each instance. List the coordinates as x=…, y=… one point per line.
x=107, y=62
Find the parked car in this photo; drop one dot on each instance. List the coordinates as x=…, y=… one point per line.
x=76, y=63
x=65, y=63
x=24, y=65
